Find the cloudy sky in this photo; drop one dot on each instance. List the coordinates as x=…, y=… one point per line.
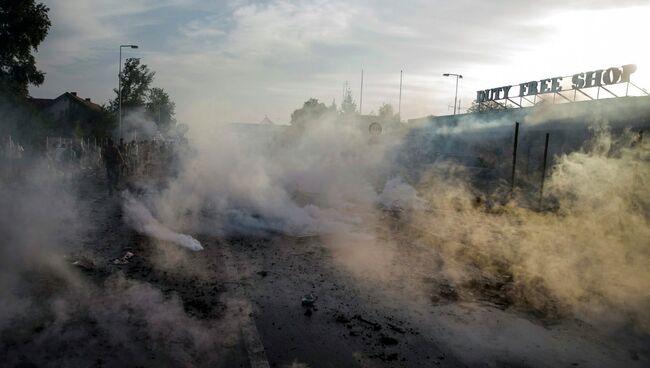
x=227, y=61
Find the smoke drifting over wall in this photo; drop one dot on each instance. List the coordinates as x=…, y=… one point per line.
x=585, y=255
x=294, y=185
x=589, y=256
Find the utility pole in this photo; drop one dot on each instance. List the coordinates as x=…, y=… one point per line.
x=399, y=104
x=361, y=94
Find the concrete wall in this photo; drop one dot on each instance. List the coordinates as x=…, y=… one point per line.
x=483, y=142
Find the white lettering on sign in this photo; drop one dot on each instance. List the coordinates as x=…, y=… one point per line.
x=594, y=78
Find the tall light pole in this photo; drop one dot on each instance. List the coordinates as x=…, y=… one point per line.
x=119, y=85
x=361, y=95
x=399, y=104
x=458, y=76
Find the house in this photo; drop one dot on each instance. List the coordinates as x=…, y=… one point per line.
x=70, y=115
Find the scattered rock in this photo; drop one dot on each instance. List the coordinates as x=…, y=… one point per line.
x=84, y=263
x=375, y=326
x=124, y=260
x=396, y=328
x=308, y=300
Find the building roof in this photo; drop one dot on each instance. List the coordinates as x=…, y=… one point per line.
x=266, y=121
x=85, y=102
x=43, y=103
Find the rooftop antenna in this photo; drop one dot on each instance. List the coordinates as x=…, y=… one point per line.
x=399, y=104
x=361, y=94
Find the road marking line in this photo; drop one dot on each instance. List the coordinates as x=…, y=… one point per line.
x=249, y=332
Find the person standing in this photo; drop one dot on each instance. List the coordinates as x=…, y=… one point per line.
x=113, y=161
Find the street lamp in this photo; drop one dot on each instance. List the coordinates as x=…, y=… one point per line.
x=458, y=76
x=119, y=85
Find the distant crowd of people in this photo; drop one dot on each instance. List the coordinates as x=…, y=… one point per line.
x=148, y=158
x=11, y=155
x=11, y=149
x=67, y=157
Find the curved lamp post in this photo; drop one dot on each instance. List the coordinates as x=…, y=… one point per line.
x=119, y=85
x=458, y=76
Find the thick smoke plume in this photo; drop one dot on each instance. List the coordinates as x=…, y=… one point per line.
x=589, y=256
x=294, y=185
x=59, y=303
x=142, y=221
x=585, y=255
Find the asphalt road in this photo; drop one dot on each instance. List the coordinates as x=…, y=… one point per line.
x=384, y=305
x=345, y=327
x=378, y=303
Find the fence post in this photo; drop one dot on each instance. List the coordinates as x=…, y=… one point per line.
x=514, y=158
x=541, y=187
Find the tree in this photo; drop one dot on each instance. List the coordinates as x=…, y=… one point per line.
x=311, y=110
x=136, y=80
x=24, y=24
x=161, y=108
x=103, y=125
x=486, y=106
x=137, y=93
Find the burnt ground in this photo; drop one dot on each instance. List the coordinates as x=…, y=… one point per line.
x=411, y=318
x=343, y=327
x=187, y=308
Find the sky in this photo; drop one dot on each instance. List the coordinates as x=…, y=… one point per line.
x=239, y=60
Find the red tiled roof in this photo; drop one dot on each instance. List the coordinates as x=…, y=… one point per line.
x=89, y=104
x=43, y=103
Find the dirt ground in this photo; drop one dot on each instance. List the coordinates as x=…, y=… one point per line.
x=309, y=305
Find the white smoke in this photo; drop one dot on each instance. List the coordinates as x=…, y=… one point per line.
x=141, y=219
x=589, y=257
x=137, y=126
x=296, y=185
x=399, y=195
x=584, y=258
